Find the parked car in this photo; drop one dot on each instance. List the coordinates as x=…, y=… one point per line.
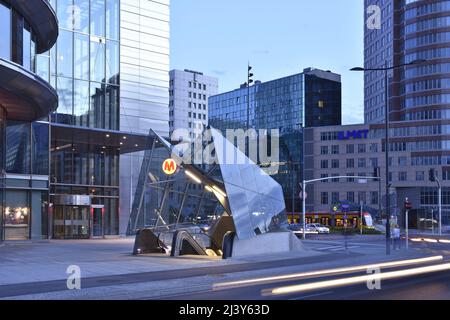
x=320, y=228
x=297, y=229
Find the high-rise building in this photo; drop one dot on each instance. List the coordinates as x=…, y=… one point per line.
x=418, y=94
x=308, y=99
x=27, y=28
x=110, y=69
x=189, y=94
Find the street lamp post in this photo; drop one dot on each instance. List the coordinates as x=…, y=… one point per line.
x=385, y=69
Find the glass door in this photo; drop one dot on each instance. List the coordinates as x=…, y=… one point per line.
x=77, y=222
x=97, y=222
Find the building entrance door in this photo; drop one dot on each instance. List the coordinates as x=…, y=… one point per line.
x=97, y=220
x=71, y=222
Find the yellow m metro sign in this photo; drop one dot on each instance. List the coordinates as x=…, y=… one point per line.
x=169, y=167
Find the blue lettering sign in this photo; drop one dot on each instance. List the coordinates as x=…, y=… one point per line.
x=355, y=134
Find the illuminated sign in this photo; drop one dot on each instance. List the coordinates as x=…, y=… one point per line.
x=355, y=134
x=169, y=167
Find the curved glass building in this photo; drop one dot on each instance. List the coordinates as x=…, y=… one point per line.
x=27, y=28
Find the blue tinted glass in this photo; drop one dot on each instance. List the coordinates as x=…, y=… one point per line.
x=98, y=17
x=5, y=32
x=18, y=147
x=65, y=54
x=97, y=61
x=40, y=148
x=112, y=19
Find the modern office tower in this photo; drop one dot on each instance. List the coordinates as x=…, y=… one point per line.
x=419, y=94
x=189, y=94
x=27, y=28
x=110, y=69
x=308, y=99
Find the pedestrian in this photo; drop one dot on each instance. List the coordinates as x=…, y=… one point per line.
x=396, y=237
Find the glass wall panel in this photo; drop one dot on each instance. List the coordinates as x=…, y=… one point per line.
x=98, y=17
x=65, y=13
x=5, y=32
x=112, y=62
x=112, y=19
x=40, y=150
x=97, y=61
x=81, y=103
x=2, y=140
x=43, y=66
x=17, y=25
x=65, y=54
x=81, y=53
x=97, y=105
x=18, y=147
x=65, y=93
x=82, y=16
x=26, y=47
x=112, y=107
x=16, y=215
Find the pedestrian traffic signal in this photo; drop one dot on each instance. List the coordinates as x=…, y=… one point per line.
x=432, y=174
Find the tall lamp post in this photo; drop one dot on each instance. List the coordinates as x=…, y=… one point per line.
x=385, y=69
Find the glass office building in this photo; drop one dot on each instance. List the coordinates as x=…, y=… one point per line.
x=109, y=68
x=308, y=99
x=27, y=28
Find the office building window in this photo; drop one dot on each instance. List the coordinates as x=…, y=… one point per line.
x=324, y=198
x=324, y=175
x=374, y=197
x=335, y=164
x=324, y=164
x=374, y=162
x=335, y=149
x=402, y=176
x=351, y=196
x=374, y=147
x=361, y=163
x=351, y=175
x=324, y=150
x=350, y=148
x=402, y=161
x=362, y=197
x=335, y=179
x=420, y=175
x=350, y=163
x=361, y=148
x=334, y=197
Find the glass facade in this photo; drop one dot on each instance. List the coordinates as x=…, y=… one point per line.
x=18, y=38
x=84, y=64
x=2, y=165
x=288, y=104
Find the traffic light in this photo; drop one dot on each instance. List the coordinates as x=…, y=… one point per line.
x=432, y=175
x=250, y=75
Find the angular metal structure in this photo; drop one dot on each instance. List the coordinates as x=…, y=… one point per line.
x=233, y=185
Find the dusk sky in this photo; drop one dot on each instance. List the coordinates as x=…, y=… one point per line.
x=279, y=38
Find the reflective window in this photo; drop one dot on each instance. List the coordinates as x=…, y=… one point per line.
x=81, y=15
x=65, y=13
x=65, y=54
x=40, y=150
x=2, y=142
x=18, y=147
x=5, y=32
x=65, y=93
x=112, y=62
x=26, y=47
x=81, y=103
x=112, y=19
x=97, y=61
x=98, y=17
x=81, y=56
x=17, y=215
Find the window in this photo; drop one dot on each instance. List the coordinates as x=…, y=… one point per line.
x=335, y=164
x=190, y=84
x=402, y=176
x=324, y=198
x=374, y=197
x=373, y=147
x=374, y=162
x=334, y=197
x=362, y=197
x=5, y=32
x=204, y=87
x=324, y=150
x=402, y=161
x=351, y=196
x=361, y=148
x=420, y=175
x=190, y=114
x=190, y=94
x=335, y=149
x=324, y=164
x=350, y=163
x=351, y=174
x=98, y=23
x=324, y=176
x=350, y=148
x=361, y=163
